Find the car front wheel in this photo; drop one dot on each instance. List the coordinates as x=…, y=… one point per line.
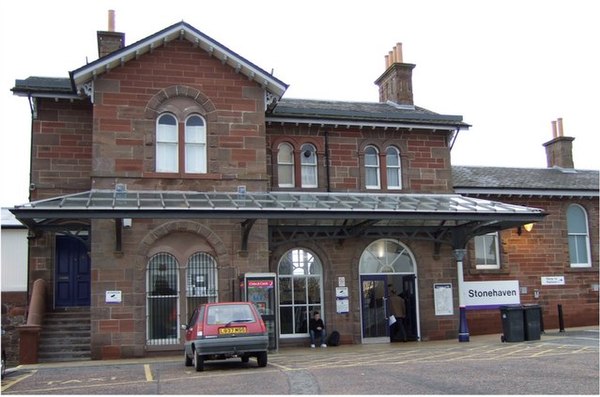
x=198, y=361
x=188, y=359
x=261, y=358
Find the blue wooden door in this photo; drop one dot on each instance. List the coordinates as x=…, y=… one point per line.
x=72, y=286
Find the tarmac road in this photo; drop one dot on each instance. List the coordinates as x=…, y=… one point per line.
x=559, y=363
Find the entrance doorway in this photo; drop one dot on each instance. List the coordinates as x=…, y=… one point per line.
x=72, y=276
x=388, y=268
x=374, y=309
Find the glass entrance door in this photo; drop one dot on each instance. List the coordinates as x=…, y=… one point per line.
x=374, y=308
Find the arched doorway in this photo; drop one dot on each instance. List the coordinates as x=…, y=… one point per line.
x=387, y=266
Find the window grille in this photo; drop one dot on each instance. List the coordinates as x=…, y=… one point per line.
x=162, y=300
x=201, y=280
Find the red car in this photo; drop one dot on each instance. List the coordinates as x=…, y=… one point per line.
x=217, y=331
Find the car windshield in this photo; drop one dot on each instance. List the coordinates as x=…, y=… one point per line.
x=230, y=314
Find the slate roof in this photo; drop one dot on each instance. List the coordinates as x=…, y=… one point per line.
x=377, y=112
x=177, y=31
x=539, y=181
x=51, y=86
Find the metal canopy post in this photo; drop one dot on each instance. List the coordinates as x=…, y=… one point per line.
x=463, y=327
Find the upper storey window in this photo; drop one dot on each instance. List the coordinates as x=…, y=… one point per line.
x=579, y=236
x=195, y=145
x=392, y=163
x=181, y=145
x=167, y=158
x=372, y=180
x=309, y=165
x=285, y=165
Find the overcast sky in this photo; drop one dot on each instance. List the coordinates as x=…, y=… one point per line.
x=508, y=67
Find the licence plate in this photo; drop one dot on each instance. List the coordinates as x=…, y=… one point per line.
x=232, y=330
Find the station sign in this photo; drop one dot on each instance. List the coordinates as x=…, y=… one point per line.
x=491, y=294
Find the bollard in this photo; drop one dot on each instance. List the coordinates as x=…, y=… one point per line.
x=561, y=321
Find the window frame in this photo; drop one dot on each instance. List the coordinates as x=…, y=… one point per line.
x=480, y=240
x=201, y=144
x=574, y=235
x=305, y=166
x=309, y=307
x=372, y=167
x=289, y=167
x=162, y=143
x=397, y=169
x=183, y=145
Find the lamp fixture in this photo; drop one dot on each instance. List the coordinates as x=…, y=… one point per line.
x=528, y=227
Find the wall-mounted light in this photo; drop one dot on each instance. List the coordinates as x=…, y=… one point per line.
x=528, y=227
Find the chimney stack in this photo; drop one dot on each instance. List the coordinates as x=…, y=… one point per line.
x=559, y=150
x=108, y=40
x=395, y=84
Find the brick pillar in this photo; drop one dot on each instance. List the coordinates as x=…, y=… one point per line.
x=29, y=340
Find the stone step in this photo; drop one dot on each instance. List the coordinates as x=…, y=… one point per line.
x=65, y=336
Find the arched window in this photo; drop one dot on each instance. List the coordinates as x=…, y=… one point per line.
x=285, y=165
x=162, y=300
x=579, y=236
x=300, y=290
x=170, y=156
x=309, y=165
x=167, y=148
x=201, y=280
x=372, y=179
x=386, y=256
x=392, y=163
x=195, y=145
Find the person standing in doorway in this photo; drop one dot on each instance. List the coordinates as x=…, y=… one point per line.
x=398, y=310
x=317, y=329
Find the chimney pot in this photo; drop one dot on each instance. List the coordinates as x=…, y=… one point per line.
x=111, y=20
x=399, y=52
x=554, y=133
x=559, y=122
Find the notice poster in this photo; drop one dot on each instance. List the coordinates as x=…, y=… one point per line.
x=442, y=296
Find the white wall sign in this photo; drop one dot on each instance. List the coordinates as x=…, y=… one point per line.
x=341, y=292
x=341, y=281
x=491, y=294
x=342, y=305
x=442, y=295
x=113, y=297
x=553, y=280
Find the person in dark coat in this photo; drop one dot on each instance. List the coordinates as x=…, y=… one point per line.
x=316, y=329
x=398, y=310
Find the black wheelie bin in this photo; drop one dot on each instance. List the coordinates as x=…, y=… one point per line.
x=513, y=324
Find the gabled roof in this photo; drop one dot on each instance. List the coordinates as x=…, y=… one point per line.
x=526, y=181
x=61, y=87
x=375, y=114
x=179, y=31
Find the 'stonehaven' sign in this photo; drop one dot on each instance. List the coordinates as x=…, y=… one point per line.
x=491, y=294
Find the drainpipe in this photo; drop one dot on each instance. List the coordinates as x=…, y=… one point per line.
x=327, y=167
